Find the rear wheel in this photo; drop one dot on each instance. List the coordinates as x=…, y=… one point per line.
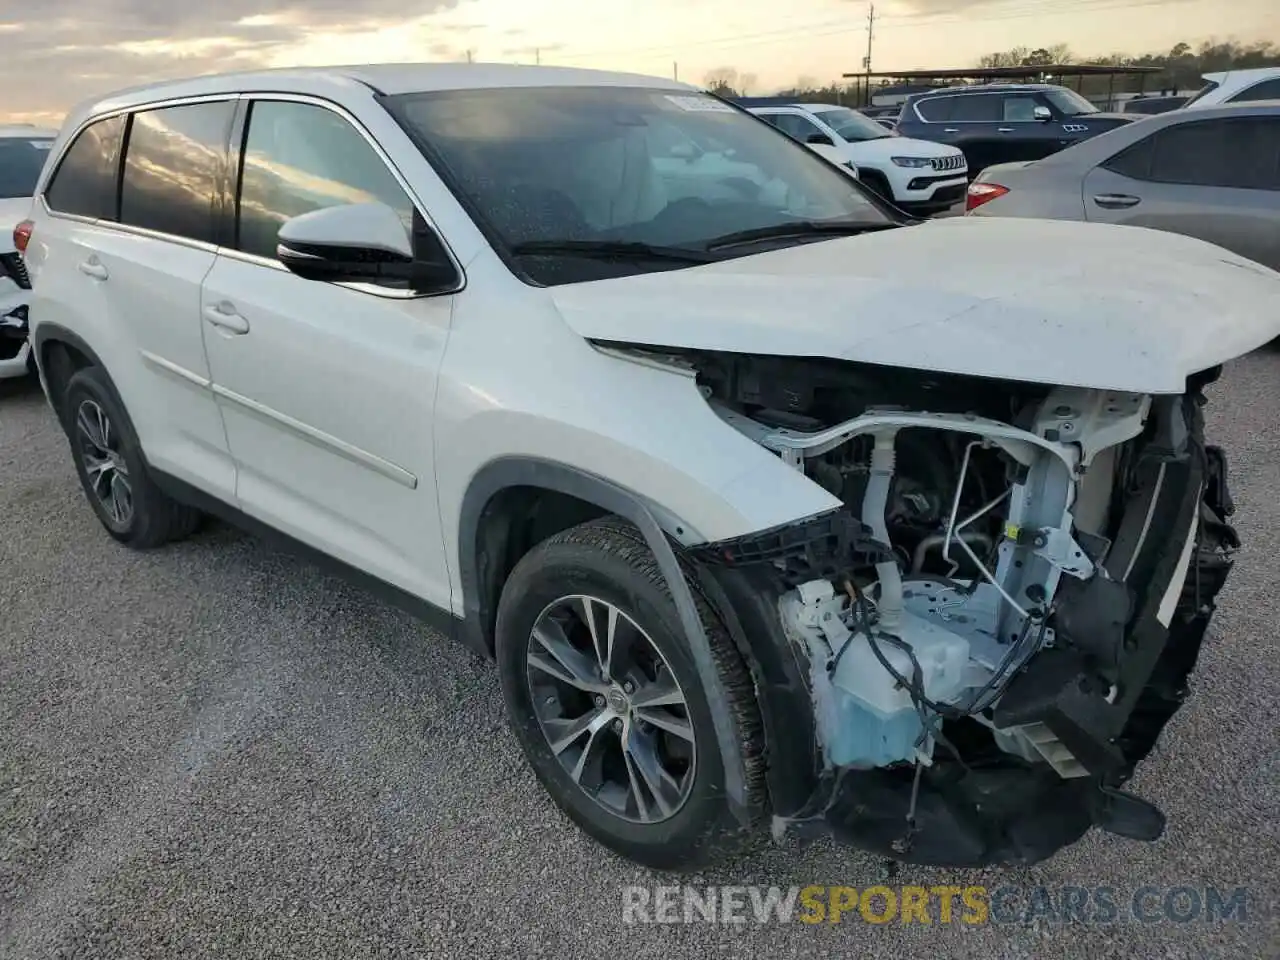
x=112, y=470
x=602, y=693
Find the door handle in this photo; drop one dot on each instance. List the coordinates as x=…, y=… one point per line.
x=950, y=129
x=1116, y=201
x=224, y=316
x=1004, y=129
x=94, y=268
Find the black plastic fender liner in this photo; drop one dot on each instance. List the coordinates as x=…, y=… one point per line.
x=747, y=601
x=508, y=472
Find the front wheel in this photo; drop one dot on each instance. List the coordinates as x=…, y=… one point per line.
x=608, y=707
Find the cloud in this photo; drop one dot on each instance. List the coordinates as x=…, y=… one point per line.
x=76, y=49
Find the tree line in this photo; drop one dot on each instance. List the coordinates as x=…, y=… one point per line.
x=1181, y=68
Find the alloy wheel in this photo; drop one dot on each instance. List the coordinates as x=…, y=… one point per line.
x=611, y=709
x=98, y=444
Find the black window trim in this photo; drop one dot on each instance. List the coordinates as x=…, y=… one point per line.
x=54, y=168
x=240, y=131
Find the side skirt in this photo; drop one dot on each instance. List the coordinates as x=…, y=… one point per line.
x=435, y=617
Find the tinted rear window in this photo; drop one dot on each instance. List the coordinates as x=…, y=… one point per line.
x=85, y=182
x=21, y=161
x=171, y=168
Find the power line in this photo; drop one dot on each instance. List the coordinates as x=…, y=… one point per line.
x=1017, y=10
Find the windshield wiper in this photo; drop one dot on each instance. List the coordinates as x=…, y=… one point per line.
x=798, y=228
x=609, y=249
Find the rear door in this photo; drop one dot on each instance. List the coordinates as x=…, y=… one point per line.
x=1216, y=180
x=128, y=239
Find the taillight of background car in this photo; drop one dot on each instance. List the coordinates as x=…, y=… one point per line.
x=980, y=193
x=22, y=235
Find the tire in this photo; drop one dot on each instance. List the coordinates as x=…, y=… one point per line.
x=104, y=441
x=609, y=562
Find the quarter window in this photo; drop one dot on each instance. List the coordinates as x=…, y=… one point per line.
x=85, y=181
x=171, y=166
x=299, y=157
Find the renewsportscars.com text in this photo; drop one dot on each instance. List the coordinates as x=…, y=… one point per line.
x=971, y=905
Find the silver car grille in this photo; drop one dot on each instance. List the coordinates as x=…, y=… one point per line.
x=954, y=162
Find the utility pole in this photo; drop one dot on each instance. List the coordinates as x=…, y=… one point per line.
x=537, y=55
x=866, y=63
x=675, y=72
x=469, y=59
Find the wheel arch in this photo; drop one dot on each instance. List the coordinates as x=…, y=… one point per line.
x=59, y=354
x=489, y=509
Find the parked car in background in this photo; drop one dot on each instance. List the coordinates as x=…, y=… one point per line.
x=917, y=175
x=1151, y=106
x=23, y=151
x=1000, y=123
x=1237, y=86
x=1211, y=173
x=741, y=560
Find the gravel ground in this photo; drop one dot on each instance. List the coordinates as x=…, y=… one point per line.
x=215, y=750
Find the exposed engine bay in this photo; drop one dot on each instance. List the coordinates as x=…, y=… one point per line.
x=1016, y=586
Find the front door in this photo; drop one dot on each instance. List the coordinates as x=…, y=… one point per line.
x=327, y=390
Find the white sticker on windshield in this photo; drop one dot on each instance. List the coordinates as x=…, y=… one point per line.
x=41, y=144
x=696, y=104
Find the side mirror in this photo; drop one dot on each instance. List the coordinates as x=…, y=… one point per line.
x=364, y=243
x=1042, y=114
x=819, y=138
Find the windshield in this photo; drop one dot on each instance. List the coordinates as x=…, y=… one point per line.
x=622, y=165
x=1069, y=102
x=851, y=125
x=21, y=159
x=1204, y=91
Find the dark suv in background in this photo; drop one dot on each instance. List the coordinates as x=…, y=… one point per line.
x=1003, y=123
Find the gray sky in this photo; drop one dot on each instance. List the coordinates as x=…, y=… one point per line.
x=54, y=53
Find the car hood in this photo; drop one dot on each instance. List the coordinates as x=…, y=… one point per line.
x=873, y=151
x=1053, y=302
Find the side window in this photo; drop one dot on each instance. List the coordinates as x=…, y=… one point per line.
x=1019, y=108
x=85, y=181
x=937, y=109
x=1266, y=90
x=977, y=108
x=171, y=165
x=1134, y=161
x=1239, y=152
x=796, y=126
x=300, y=157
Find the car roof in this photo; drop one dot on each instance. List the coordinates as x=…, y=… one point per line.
x=19, y=131
x=385, y=78
x=974, y=88
x=1251, y=73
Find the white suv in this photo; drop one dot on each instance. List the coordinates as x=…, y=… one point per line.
x=918, y=175
x=23, y=151
x=926, y=557
x=1237, y=86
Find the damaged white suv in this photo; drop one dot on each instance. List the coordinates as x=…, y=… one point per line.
x=762, y=523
